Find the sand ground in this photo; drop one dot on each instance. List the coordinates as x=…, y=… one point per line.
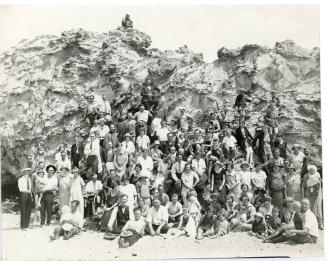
x=33, y=244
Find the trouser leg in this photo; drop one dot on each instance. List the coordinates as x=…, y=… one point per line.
x=23, y=209
x=28, y=210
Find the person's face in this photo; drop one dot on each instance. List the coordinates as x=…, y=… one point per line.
x=96, y=122
x=112, y=128
x=156, y=193
x=257, y=168
x=163, y=124
x=140, y=203
x=221, y=218
x=170, y=137
x=94, y=178
x=160, y=189
x=40, y=174
x=51, y=171
x=275, y=213
x=276, y=153
x=174, y=199
x=289, y=205
x=137, y=214
x=142, y=108
x=187, y=168
x=123, y=200
x=75, y=172
x=74, y=207
x=156, y=203
x=256, y=218
x=245, y=200
x=296, y=150
x=142, y=132
x=305, y=205
x=63, y=155
x=267, y=203
x=153, y=127
x=104, y=97
x=179, y=158
x=129, y=115
x=92, y=137
x=41, y=165
x=145, y=153
x=312, y=171
x=229, y=167
x=125, y=181
x=244, y=188
x=210, y=213
x=172, y=150
x=91, y=99
x=229, y=200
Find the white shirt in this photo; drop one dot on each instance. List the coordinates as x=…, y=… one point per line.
x=163, y=133
x=142, y=116
x=103, y=130
x=157, y=217
x=93, y=187
x=92, y=150
x=130, y=191
x=245, y=177
x=259, y=179
x=66, y=163
x=199, y=166
x=188, y=178
x=311, y=223
x=143, y=141
x=51, y=183
x=22, y=184
x=137, y=225
x=105, y=107
x=177, y=167
x=129, y=147
x=147, y=164
x=229, y=141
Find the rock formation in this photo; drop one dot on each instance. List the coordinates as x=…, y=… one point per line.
x=44, y=82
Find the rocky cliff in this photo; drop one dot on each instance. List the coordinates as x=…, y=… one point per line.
x=44, y=81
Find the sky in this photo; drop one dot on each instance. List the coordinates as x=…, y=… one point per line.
x=202, y=28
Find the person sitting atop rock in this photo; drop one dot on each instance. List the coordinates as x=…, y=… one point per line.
x=92, y=110
x=127, y=22
x=240, y=102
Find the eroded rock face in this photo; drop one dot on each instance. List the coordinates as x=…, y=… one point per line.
x=44, y=81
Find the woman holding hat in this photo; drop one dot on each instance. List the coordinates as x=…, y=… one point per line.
x=312, y=190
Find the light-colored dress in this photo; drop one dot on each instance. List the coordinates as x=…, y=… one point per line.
x=76, y=193
x=64, y=189
x=293, y=186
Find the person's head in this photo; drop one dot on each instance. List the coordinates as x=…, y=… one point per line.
x=288, y=202
x=102, y=121
x=142, y=108
x=125, y=180
x=145, y=153
x=26, y=171
x=312, y=169
x=172, y=150
x=40, y=172
x=187, y=167
x=94, y=177
x=229, y=166
x=137, y=213
x=230, y=199
x=74, y=205
x=104, y=97
x=305, y=204
x=112, y=128
x=123, y=199
x=92, y=136
x=114, y=183
x=170, y=136
x=156, y=202
x=210, y=211
x=296, y=149
x=267, y=201
x=41, y=165
x=297, y=206
x=174, y=198
x=257, y=166
x=96, y=122
x=129, y=115
x=244, y=166
x=63, y=154
x=276, y=153
x=218, y=166
x=244, y=187
x=244, y=199
x=179, y=157
x=110, y=145
x=198, y=156
x=75, y=172
x=221, y=217
x=155, y=193
x=228, y=132
x=50, y=169
x=161, y=188
x=91, y=98
x=138, y=168
x=258, y=217
x=140, y=202
x=275, y=212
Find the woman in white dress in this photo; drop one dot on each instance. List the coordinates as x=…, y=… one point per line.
x=77, y=190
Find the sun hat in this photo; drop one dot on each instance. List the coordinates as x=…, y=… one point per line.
x=259, y=214
x=296, y=145
x=244, y=163
x=156, y=142
x=127, y=135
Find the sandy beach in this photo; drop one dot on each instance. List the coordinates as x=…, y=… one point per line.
x=33, y=244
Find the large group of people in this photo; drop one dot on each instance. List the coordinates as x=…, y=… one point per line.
x=133, y=172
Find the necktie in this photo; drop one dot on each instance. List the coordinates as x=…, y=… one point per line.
x=91, y=146
x=28, y=184
x=105, y=107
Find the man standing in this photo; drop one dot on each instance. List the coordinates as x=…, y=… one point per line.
x=157, y=219
x=77, y=151
x=142, y=116
x=25, y=186
x=92, y=154
x=176, y=173
x=49, y=191
x=105, y=108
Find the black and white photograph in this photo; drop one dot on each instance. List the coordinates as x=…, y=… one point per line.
x=161, y=131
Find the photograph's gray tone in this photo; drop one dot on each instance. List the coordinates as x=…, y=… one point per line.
x=114, y=148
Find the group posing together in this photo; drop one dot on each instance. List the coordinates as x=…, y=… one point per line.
x=132, y=174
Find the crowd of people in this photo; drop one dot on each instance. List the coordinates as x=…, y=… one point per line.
x=130, y=173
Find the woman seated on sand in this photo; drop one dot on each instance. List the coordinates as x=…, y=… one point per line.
x=259, y=227
x=206, y=224
x=185, y=227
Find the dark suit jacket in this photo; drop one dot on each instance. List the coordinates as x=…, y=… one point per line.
x=74, y=155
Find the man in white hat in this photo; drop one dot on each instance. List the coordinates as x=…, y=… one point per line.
x=25, y=189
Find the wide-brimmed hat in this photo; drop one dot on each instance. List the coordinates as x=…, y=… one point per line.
x=259, y=214
x=156, y=142
x=288, y=199
x=244, y=163
x=102, y=120
x=51, y=166
x=312, y=167
x=127, y=135
x=296, y=145
x=26, y=169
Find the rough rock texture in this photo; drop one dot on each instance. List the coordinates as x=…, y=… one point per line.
x=44, y=81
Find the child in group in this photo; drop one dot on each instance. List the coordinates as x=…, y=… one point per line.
x=221, y=227
x=206, y=224
x=259, y=227
x=273, y=221
x=231, y=207
x=194, y=207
